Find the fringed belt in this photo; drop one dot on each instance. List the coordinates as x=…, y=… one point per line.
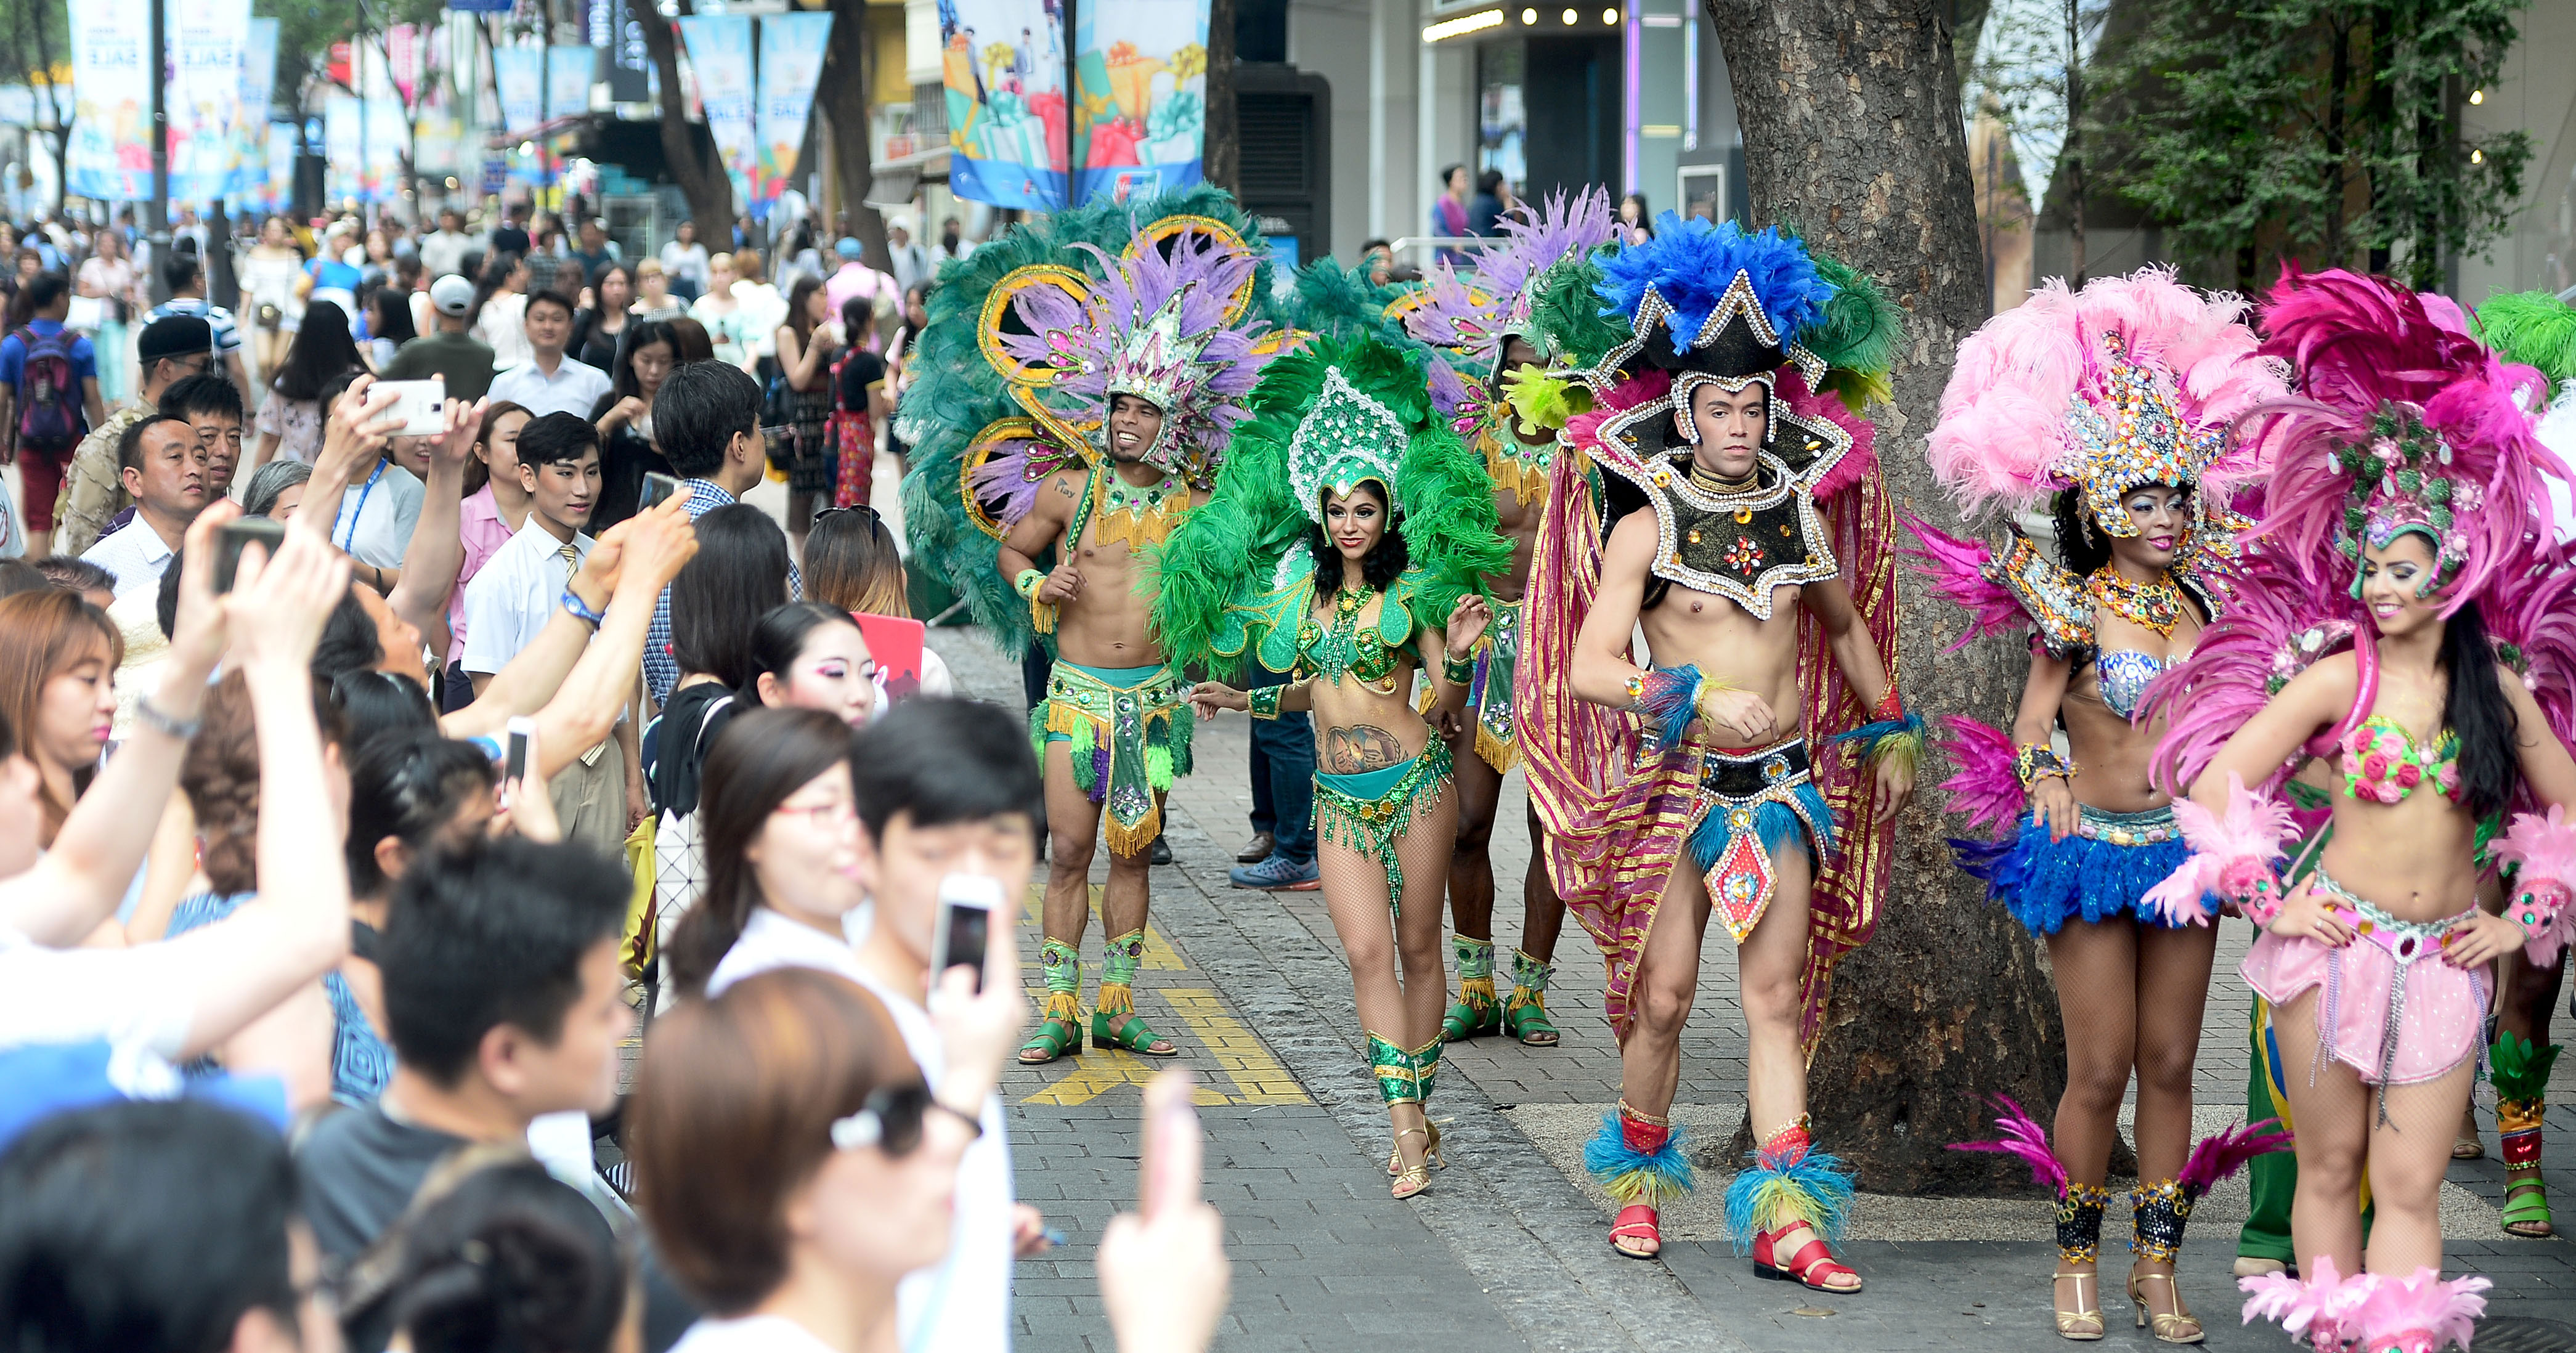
x=1368, y=812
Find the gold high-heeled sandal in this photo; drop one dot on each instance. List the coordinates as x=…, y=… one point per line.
x=1415, y=1180
x=1395, y=1155
x=2168, y=1329
x=2084, y=1323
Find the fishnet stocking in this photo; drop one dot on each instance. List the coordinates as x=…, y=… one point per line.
x=1407, y=1011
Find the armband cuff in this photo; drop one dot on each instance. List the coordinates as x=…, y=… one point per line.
x=1263, y=701
x=2038, y=762
x=1459, y=671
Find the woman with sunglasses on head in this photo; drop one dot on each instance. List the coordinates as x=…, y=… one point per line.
x=853, y=564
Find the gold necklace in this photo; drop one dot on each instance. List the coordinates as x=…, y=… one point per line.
x=1139, y=517
x=2154, y=605
x=1709, y=482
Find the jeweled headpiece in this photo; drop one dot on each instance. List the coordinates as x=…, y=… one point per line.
x=2403, y=423
x=1714, y=304
x=1344, y=439
x=1168, y=321
x=2133, y=380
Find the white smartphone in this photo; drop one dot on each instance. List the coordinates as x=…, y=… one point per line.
x=519, y=749
x=964, y=927
x=422, y=406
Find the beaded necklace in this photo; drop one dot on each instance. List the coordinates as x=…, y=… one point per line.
x=1346, y=648
x=1138, y=517
x=2156, y=605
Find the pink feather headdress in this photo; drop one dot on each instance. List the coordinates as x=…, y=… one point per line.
x=2132, y=380
x=2403, y=423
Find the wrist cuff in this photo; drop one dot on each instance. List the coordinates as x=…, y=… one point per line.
x=1263, y=701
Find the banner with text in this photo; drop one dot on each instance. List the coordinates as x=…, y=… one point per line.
x=110, y=150
x=521, y=74
x=1002, y=65
x=206, y=42
x=720, y=54
x=791, y=64
x=251, y=126
x=568, y=75
x=1141, y=73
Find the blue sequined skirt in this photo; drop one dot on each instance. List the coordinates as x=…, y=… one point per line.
x=2097, y=873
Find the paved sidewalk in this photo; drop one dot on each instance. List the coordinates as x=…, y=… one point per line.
x=1507, y=1248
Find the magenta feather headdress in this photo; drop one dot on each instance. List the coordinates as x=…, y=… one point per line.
x=2403, y=423
x=2133, y=380
x=1166, y=322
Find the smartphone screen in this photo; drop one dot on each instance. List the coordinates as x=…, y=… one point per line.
x=657, y=489
x=514, y=765
x=235, y=534
x=964, y=925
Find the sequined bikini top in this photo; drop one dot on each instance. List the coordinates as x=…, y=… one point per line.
x=2124, y=674
x=1343, y=645
x=2382, y=762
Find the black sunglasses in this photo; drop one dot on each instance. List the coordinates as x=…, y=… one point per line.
x=890, y=1120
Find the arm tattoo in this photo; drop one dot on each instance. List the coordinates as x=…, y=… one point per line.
x=1360, y=748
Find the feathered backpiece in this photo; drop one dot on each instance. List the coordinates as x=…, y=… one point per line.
x=1327, y=416
x=2534, y=328
x=2404, y=425
x=984, y=426
x=1467, y=314
x=2254, y=827
x=2133, y=380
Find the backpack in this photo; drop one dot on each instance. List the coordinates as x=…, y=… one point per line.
x=49, y=402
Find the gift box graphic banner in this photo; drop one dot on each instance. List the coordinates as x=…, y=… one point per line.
x=1141, y=96
x=1002, y=63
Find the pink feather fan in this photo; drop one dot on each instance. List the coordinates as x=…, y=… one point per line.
x=2545, y=850
x=2254, y=827
x=1984, y=790
x=2003, y=415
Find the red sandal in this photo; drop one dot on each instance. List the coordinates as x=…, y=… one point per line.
x=1813, y=1266
x=1637, y=1221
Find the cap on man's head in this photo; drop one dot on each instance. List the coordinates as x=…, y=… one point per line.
x=848, y=248
x=174, y=336
x=452, y=295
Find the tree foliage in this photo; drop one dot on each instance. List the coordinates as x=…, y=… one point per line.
x=2325, y=131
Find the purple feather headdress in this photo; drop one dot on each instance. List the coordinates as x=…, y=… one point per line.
x=2132, y=380
x=1164, y=322
x=2403, y=423
x=1466, y=316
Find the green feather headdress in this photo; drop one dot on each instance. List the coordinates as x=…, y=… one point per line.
x=2534, y=328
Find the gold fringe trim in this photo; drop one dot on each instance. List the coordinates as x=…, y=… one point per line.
x=1115, y=998
x=1500, y=753
x=1063, y=1005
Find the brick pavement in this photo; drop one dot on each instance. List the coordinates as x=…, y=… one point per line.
x=1505, y=1250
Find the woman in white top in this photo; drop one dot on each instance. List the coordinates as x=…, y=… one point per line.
x=501, y=313
x=719, y=312
x=108, y=276
x=763, y=309
x=686, y=261
x=268, y=299
x=780, y=821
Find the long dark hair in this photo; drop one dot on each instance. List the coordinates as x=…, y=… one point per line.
x=321, y=351
x=761, y=758
x=496, y=271
x=391, y=317
x=738, y=576
x=781, y=635
x=408, y=786
x=638, y=335
x=797, y=319
x=2080, y=542
x=2477, y=711
x=1385, y=562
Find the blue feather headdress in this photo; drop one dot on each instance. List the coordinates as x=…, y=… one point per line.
x=1717, y=300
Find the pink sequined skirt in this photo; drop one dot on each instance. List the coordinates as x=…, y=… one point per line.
x=2437, y=1020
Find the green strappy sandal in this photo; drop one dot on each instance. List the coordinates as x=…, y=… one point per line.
x=1478, y=1011
x=1525, y=1015
x=1114, y=1021
x=1060, y=1023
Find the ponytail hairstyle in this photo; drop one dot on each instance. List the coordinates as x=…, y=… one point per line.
x=507, y=1258
x=220, y=775
x=758, y=762
x=2477, y=711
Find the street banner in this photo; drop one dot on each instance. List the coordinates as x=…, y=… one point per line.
x=206, y=41
x=481, y=6
x=1141, y=73
x=110, y=150
x=258, y=84
x=791, y=64
x=1002, y=64
x=521, y=74
x=568, y=75
x=276, y=189
x=364, y=140
x=344, y=147
x=720, y=53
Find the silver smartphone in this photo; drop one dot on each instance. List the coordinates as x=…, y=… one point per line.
x=421, y=405
x=964, y=927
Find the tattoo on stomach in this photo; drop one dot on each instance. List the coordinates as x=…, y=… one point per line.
x=1360, y=748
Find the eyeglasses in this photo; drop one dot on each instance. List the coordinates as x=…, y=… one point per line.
x=890, y=1120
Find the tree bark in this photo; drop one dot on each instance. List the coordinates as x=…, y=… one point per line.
x=1852, y=134
x=1221, y=159
x=847, y=95
x=686, y=146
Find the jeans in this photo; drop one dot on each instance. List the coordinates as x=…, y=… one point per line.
x=1283, y=776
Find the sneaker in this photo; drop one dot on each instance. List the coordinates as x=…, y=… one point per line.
x=1278, y=874
x=1257, y=849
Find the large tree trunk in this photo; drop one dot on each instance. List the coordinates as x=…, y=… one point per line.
x=1852, y=134
x=1221, y=158
x=847, y=95
x=686, y=146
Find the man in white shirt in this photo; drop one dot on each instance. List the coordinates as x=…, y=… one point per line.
x=443, y=250
x=949, y=786
x=162, y=465
x=549, y=382
x=518, y=590
x=911, y=265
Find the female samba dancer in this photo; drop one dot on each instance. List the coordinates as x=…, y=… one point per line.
x=2407, y=481
x=1398, y=521
x=2116, y=397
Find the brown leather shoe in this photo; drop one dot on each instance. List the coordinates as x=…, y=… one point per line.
x=1257, y=849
